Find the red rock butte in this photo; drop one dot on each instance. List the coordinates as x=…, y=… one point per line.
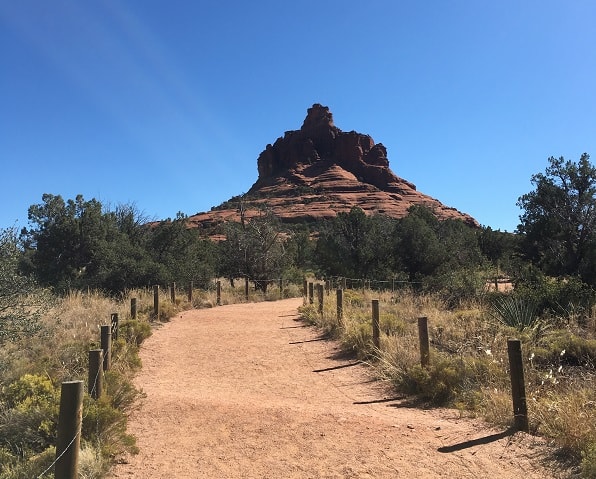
x=315, y=172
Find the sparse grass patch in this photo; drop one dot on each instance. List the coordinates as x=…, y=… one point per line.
x=469, y=366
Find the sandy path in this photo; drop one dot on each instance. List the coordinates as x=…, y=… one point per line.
x=247, y=391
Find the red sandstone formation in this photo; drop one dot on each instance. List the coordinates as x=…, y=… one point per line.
x=318, y=171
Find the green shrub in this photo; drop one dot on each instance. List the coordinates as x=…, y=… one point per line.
x=557, y=297
x=30, y=419
x=357, y=339
x=516, y=313
x=588, y=463
x=105, y=427
x=134, y=331
x=564, y=347
x=33, y=465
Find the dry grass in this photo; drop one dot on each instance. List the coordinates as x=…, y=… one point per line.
x=469, y=362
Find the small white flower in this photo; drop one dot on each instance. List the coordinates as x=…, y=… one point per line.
x=488, y=352
x=531, y=356
x=560, y=369
x=562, y=353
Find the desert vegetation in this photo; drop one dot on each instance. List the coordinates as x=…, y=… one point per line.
x=80, y=261
x=468, y=366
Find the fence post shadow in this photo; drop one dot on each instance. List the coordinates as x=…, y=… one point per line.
x=479, y=441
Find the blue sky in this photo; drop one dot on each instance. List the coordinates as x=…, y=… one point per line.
x=167, y=105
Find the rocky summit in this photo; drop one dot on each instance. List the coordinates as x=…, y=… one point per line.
x=317, y=171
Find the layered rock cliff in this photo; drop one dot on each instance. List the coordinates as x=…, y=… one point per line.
x=318, y=171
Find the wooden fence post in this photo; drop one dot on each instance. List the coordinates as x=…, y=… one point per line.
x=218, y=293
x=376, y=330
x=281, y=288
x=340, y=307
x=190, y=291
x=95, y=383
x=424, y=341
x=156, y=302
x=304, y=291
x=133, y=308
x=311, y=293
x=106, y=346
x=115, y=325
x=320, y=295
x=518, y=387
x=173, y=293
x=70, y=419
x=246, y=289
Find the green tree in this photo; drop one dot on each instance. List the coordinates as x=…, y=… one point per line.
x=558, y=222
x=418, y=249
x=21, y=301
x=179, y=253
x=254, y=248
x=356, y=245
x=77, y=244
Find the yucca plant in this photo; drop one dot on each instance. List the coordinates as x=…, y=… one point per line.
x=516, y=313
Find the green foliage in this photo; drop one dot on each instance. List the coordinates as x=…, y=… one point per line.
x=104, y=425
x=458, y=285
x=29, y=419
x=437, y=383
x=556, y=297
x=134, y=331
x=12, y=467
x=559, y=219
x=499, y=247
x=78, y=244
x=515, y=313
x=254, y=249
x=440, y=253
x=588, y=462
x=181, y=253
x=563, y=347
x=21, y=302
x=355, y=245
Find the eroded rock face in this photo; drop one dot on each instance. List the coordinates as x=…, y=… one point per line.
x=317, y=171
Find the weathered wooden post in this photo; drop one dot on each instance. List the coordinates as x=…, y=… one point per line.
x=133, y=308
x=106, y=346
x=281, y=288
x=376, y=329
x=115, y=325
x=424, y=341
x=311, y=293
x=246, y=289
x=95, y=383
x=340, y=307
x=70, y=419
x=173, y=293
x=320, y=296
x=345, y=284
x=518, y=387
x=218, y=293
x=304, y=291
x=156, y=302
x=327, y=286
x=190, y=291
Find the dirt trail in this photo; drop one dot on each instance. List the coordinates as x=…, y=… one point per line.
x=248, y=391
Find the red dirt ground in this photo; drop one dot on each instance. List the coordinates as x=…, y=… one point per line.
x=249, y=391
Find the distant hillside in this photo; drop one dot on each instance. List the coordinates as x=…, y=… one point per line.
x=313, y=173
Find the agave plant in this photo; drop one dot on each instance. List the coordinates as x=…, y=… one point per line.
x=516, y=313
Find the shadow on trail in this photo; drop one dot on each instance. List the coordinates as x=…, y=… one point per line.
x=333, y=368
x=309, y=341
x=477, y=442
x=379, y=401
